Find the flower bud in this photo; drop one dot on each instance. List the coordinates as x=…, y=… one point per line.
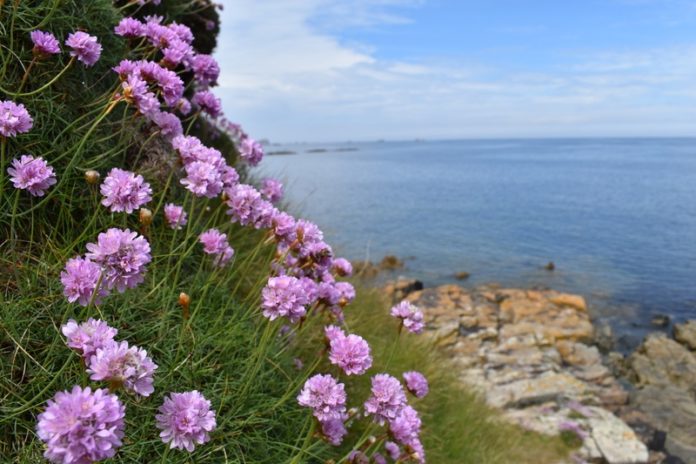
x=92, y=177
x=145, y=216
x=185, y=302
x=371, y=440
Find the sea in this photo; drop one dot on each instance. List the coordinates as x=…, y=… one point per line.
x=617, y=217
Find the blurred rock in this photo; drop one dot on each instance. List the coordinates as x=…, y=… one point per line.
x=686, y=334
x=462, y=275
x=660, y=320
x=390, y=263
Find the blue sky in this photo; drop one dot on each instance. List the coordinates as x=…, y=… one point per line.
x=331, y=70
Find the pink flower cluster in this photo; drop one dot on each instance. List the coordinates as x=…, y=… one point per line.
x=109, y=360
x=118, y=260
x=32, y=174
x=327, y=399
x=216, y=244
x=84, y=426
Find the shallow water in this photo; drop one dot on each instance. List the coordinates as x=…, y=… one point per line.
x=616, y=216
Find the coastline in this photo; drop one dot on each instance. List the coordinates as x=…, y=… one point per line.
x=538, y=356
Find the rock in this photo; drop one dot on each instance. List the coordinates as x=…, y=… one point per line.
x=673, y=410
x=402, y=288
x=462, y=275
x=686, y=334
x=660, y=320
x=615, y=440
x=578, y=354
x=550, y=266
x=390, y=263
x=546, y=387
x=365, y=269
x=604, y=338
x=662, y=361
x=573, y=301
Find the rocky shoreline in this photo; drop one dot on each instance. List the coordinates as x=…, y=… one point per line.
x=535, y=354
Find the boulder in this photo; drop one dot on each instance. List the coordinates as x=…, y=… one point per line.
x=673, y=410
x=686, y=334
x=662, y=361
x=462, y=275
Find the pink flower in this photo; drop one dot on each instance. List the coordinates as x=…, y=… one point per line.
x=185, y=420
x=125, y=191
x=325, y=396
x=129, y=366
x=80, y=279
x=215, y=243
x=123, y=256
x=175, y=216
x=411, y=317
x=284, y=296
x=32, y=174
x=387, y=399
x=81, y=426
x=88, y=337
x=14, y=119
x=351, y=353
x=272, y=190
x=45, y=43
x=85, y=47
x=416, y=383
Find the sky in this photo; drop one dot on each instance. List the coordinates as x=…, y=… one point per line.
x=340, y=70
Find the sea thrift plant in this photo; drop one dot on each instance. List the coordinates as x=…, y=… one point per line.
x=120, y=364
x=411, y=317
x=387, y=399
x=32, y=174
x=86, y=338
x=185, y=420
x=175, y=215
x=416, y=383
x=123, y=256
x=215, y=243
x=325, y=396
x=84, y=47
x=284, y=296
x=81, y=426
x=351, y=353
x=45, y=43
x=80, y=279
x=125, y=191
x=14, y=119
x=251, y=151
x=272, y=190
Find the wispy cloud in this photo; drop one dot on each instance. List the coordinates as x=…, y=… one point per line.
x=286, y=79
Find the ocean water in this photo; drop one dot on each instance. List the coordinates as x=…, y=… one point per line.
x=616, y=216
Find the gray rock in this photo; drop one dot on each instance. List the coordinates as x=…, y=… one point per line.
x=686, y=334
x=615, y=440
x=662, y=361
x=673, y=410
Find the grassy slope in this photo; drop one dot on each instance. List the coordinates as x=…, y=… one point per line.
x=226, y=350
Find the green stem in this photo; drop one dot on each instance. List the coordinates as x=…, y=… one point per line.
x=308, y=439
x=45, y=86
x=26, y=74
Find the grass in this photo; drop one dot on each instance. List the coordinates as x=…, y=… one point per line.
x=225, y=349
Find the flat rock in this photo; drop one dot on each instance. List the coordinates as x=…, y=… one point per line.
x=615, y=440
x=546, y=387
x=686, y=334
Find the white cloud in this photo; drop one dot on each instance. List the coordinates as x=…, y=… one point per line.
x=286, y=79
